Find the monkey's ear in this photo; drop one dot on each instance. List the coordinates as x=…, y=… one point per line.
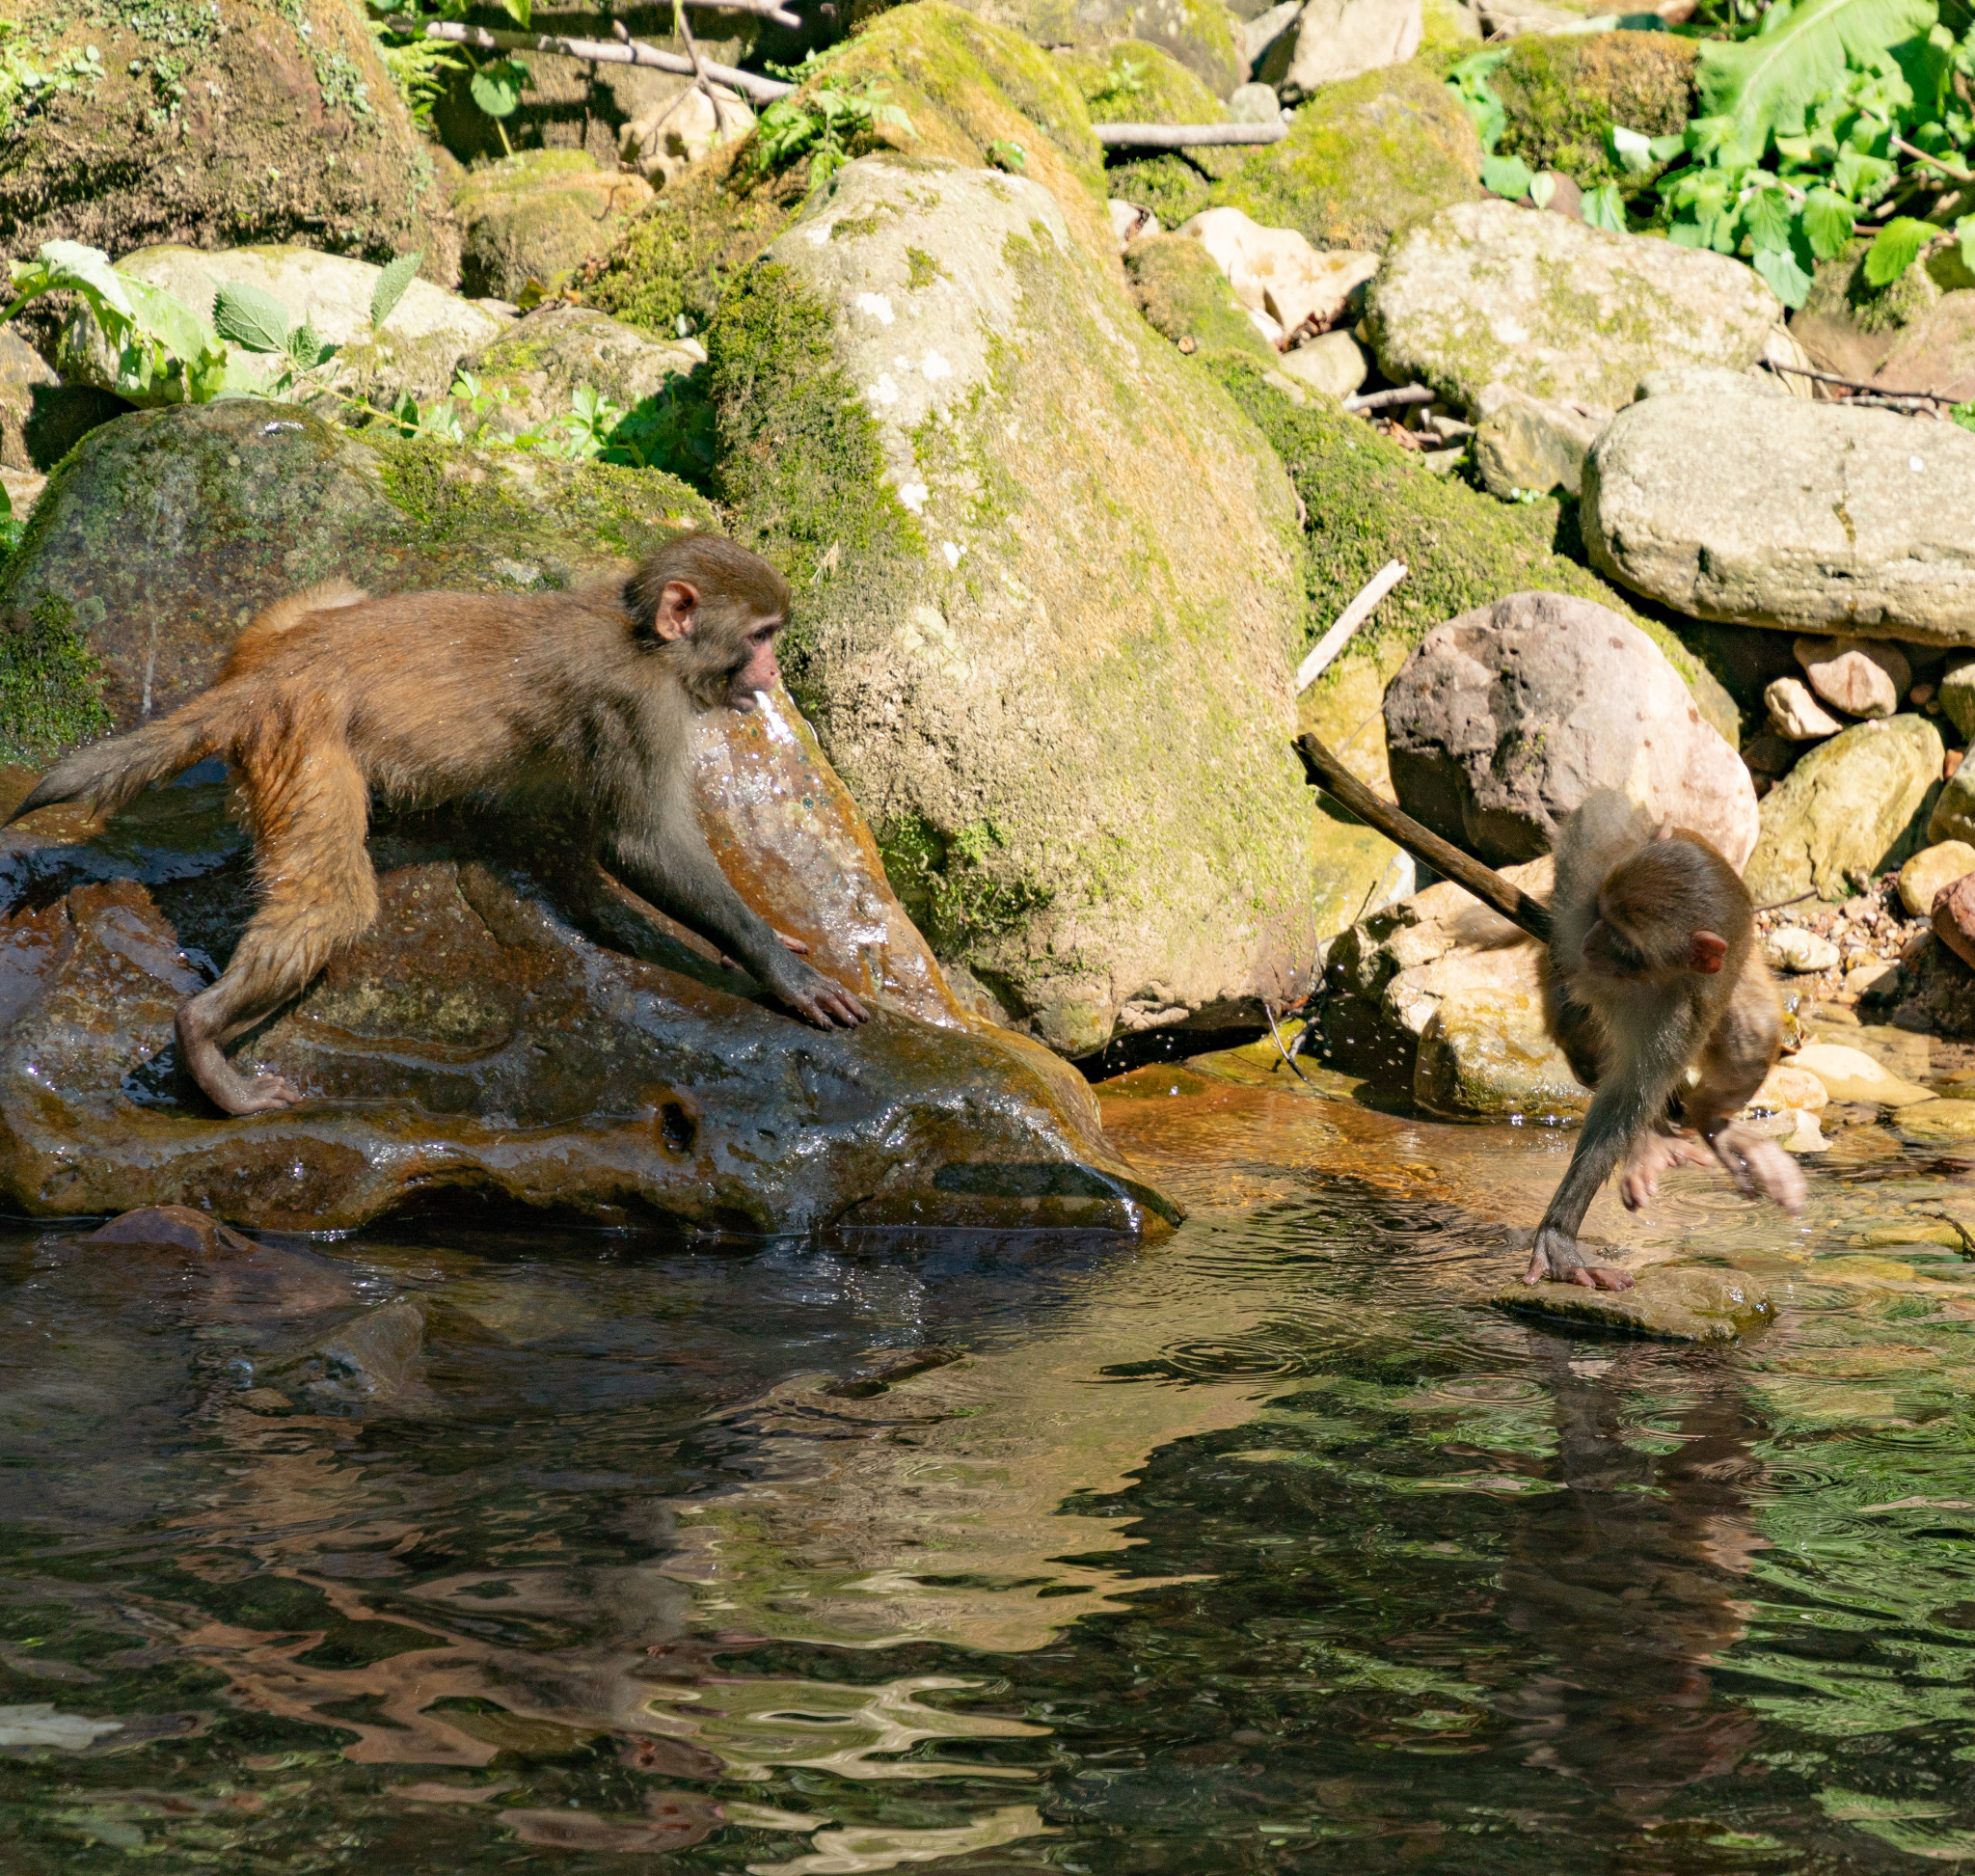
x=1706, y=952
x=1665, y=830
x=677, y=611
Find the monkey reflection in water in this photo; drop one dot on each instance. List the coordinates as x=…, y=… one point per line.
x=1652, y=988
x=578, y=703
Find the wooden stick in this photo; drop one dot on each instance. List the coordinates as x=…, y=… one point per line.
x=1185, y=136
x=601, y=51
x=1406, y=393
x=1327, y=773
x=1325, y=651
x=1858, y=384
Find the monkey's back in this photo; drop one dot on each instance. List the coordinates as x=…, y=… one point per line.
x=441, y=694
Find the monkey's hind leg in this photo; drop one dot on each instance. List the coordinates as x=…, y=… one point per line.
x=318, y=892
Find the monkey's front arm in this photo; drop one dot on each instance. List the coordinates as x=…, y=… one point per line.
x=676, y=872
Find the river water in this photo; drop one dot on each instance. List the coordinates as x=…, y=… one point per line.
x=1270, y=1547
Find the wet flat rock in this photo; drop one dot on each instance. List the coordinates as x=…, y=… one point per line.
x=1670, y=1302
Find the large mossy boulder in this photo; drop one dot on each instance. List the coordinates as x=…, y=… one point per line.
x=1137, y=82
x=258, y=123
x=507, y=1034
x=535, y=217
x=1049, y=581
x=1362, y=160
x=536, y=366
x=1183, y=293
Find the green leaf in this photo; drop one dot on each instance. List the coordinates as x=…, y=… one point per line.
x=1635, y=152
x=1665, y=148
x=1543, y=190
x=1827, y=223
x=1964, y=237
x=1787, y=279
x=1769, y=82
x=166, y=318
x=1897, y=248
x=1767, y=215
x=518, y=10
x=86, y=270
x=496, y=88
x=252, y=317
x=391, y=286
x=1603, y=208
x=1507, y=177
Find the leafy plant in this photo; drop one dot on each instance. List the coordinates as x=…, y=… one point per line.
x=1509, y=177
x=26, y=83
x=1123, y=79
x=1007, y=155
x=421, y=67
x=166, y=353
x=821, y=120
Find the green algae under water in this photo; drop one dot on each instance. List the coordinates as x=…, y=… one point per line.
x=1259, y=1550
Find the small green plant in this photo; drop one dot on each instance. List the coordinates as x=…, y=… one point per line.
x=1509, y=177
x=1123, y=80
x=821, y=120
x=26, y=83
x=421, y=67
x=1008, y=155
x=255, y=321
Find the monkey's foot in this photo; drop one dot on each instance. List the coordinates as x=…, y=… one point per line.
x=1656, y=1154
x=257, y=1094
x=1754, y=1161
x=1556, y=1258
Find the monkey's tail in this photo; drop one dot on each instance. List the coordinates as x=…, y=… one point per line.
x=104, y=775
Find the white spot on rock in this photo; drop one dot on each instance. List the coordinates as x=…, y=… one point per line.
x=878, y=305
x=883, y=392
x=952, y=551
x=913, y=495
x=1915, y=464
x=937, y=366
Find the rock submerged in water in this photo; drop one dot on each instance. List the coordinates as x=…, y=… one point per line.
x=479, y=1044
x=1670, y=1302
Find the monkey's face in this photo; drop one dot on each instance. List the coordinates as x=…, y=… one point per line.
x=758, y=669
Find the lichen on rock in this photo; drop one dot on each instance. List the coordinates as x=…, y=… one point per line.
x=1060, y=696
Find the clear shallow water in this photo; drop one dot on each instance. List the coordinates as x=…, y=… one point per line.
x=1263, y=1549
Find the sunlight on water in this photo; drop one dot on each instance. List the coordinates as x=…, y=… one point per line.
x=1269, y=1548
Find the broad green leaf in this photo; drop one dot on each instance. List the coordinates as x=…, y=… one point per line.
x=391, y=286
x=1766, y=216
x=88, y=270
x=1543, y=190
x=1665, y=148
x=1860, y=176
x=1508, y=177
x=251, y=316
x=518, y=10
x=1769, y=82
x=1787, y=279
x=1602, y=208
x=1897, y=248
x=1964, y=237
x=496, y=88
x=174, y=324
x=1635, y=152
x=6, y=502
x=1827, y=223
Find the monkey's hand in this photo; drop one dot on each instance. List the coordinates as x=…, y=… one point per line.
x=1753, y=1160
x=1656, y=1154
x=810, y=994
x=789, y=943
x=1558, y=1258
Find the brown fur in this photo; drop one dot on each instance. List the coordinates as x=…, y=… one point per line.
x=580, y=702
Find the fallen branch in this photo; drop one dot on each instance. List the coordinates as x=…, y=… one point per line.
x=1406, y=393
x=1324, y=652
x=1860, y=385
x=606, y=52
x=1185, y=136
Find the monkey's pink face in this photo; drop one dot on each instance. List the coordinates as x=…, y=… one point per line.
x=761, y=671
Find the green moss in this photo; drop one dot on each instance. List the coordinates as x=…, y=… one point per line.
x=943, y=884
x=1370, y=502
x=799, y=463
x=688, y=248
x=1562, y=94
x=1184, y=295
x=1137, y=82
x=1362, y=160
x=1171, y=184
x=51, y=687
x=449, y=498
x=921, y=270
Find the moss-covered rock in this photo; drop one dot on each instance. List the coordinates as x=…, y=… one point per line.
x=263, y=123
x=1369, y=502
x=1562, y=94
x=1198, y=33
x=1185, y=294
x=1061, y=692
x=538, y=216
x=678, y=258
x=254, y=500
x=1137, y=82
x=536, y=366
x=986, y=96
x=1362, y=160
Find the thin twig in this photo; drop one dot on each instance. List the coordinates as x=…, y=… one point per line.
x=1782, y=902
x=699, y=79
x=1268, y=1011
x=483, y=38
x=1325, y=651
x=1933, y=162
x=1858, y=384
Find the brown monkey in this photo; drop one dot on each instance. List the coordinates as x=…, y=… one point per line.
x=1653, y=972
x=579, y=702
